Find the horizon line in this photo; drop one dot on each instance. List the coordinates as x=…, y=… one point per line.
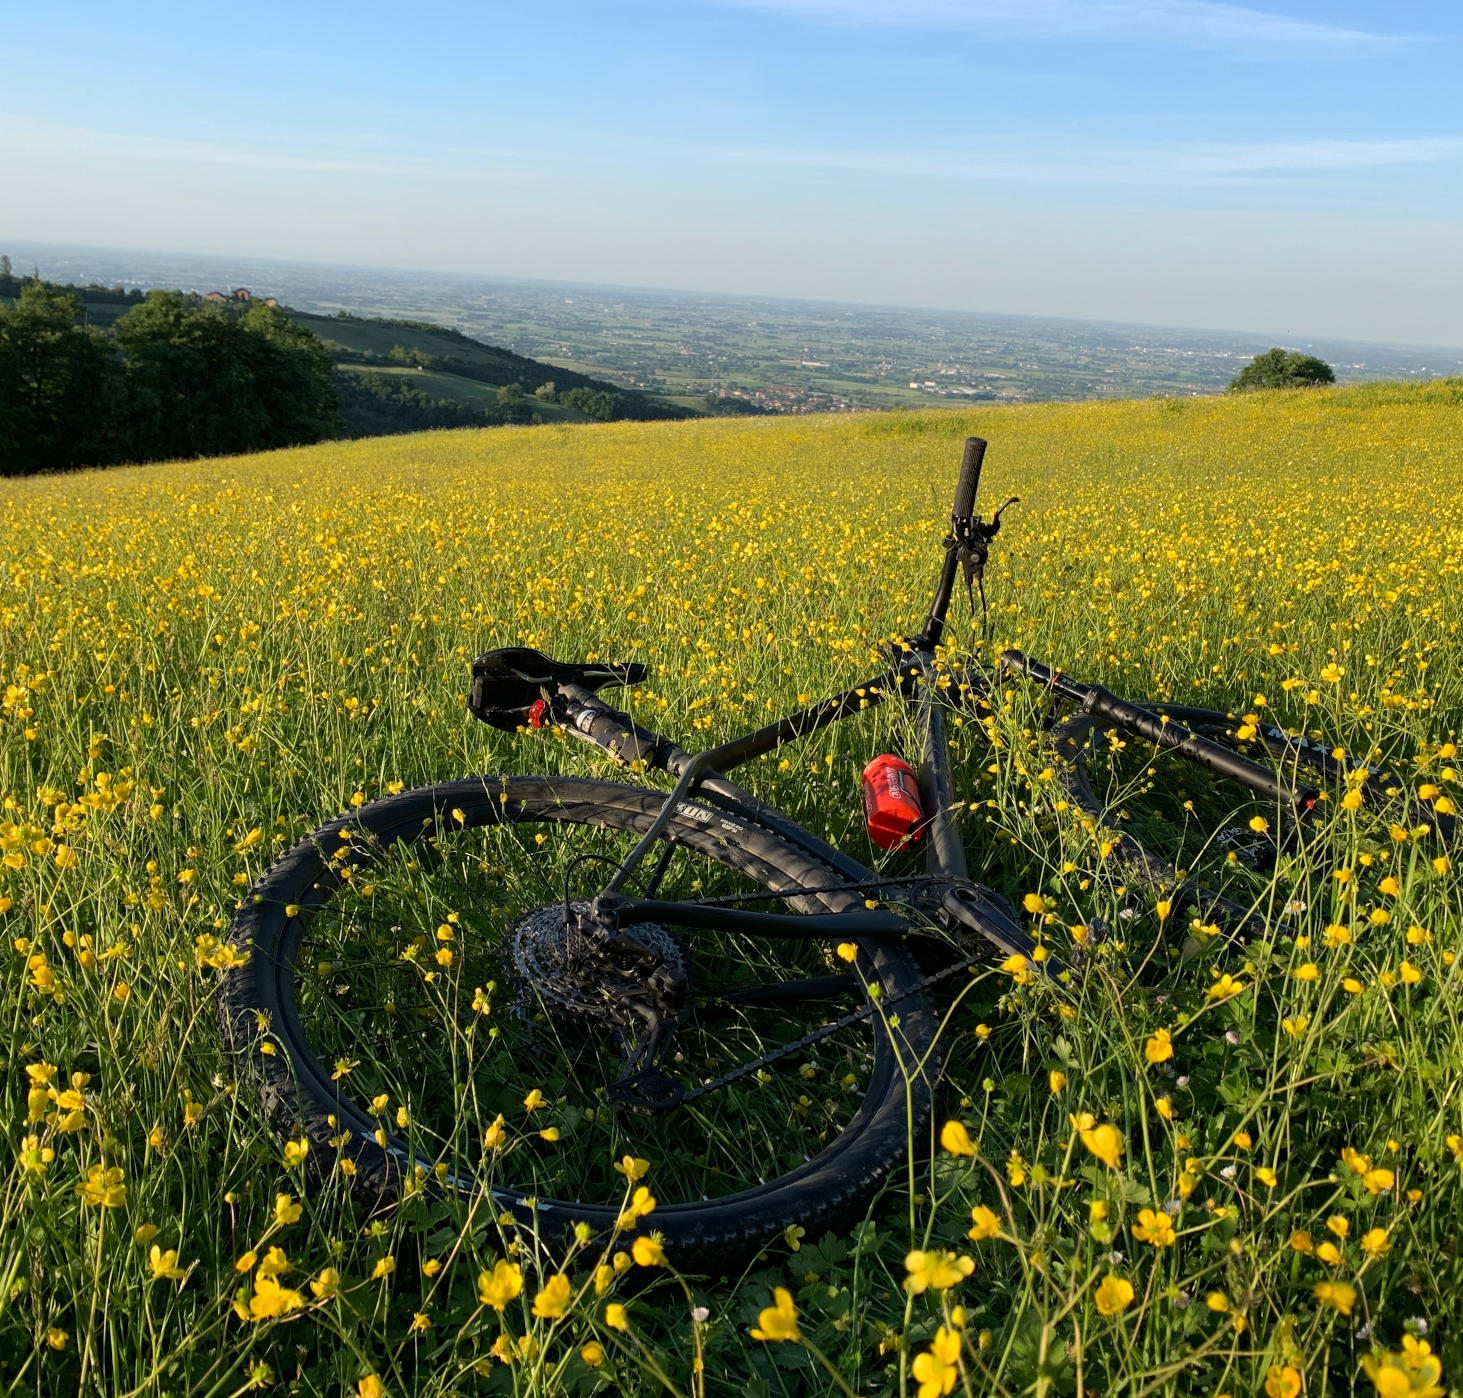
x=643, y=288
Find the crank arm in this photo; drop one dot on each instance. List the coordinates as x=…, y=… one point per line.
x=968, y=907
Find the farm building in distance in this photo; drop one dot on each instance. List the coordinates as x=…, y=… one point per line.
x=240, y=293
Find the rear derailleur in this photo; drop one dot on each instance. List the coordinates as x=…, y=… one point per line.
x=593, y=978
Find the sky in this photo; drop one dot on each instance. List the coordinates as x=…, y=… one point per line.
x=1291, y=167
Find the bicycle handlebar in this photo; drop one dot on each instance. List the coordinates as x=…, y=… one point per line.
x=969, y=477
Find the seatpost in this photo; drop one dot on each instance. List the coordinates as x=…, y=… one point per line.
x=960, y=518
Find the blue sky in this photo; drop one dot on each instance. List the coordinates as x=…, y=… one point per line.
x=1292, y=167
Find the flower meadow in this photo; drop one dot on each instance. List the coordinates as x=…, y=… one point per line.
x=1205, y=1165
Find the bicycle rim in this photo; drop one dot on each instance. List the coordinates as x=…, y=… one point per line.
x=387, y=973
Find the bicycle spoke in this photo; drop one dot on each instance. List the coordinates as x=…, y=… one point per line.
x=395, y=975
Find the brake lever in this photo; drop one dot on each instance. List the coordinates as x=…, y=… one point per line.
x=973, y=549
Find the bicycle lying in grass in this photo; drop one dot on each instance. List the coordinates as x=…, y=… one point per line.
x=525, y=986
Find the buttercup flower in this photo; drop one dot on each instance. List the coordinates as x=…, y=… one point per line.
x=779, y=1321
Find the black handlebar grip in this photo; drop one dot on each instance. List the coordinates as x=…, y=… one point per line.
x=969, y=477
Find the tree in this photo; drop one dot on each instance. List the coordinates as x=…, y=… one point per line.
x=209, y=383
x=595, y=403
x=374, y=404
x=57, y=386
x=1278, y=368
x=4, y=264
x=293, y=379
x=511, y=408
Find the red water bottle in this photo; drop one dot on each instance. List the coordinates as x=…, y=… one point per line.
x=891, y=802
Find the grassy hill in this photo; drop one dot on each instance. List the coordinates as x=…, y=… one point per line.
x=205, y=660
x=435, y=375
x=470, y=393
x=448, y=365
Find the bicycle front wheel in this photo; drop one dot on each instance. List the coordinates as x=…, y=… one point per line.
x=402, y=1007
x=1187, y=831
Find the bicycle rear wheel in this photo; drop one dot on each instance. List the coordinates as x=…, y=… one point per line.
x=396, y=973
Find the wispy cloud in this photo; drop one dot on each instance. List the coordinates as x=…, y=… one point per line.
x=1153, y=165
x=1205, y=22
x=1017, y=161
x=1299, y=156
x=318, y=157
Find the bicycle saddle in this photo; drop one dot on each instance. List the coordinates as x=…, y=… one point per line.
x=506, y=682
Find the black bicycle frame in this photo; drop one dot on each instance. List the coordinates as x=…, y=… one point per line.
x=916, y=678
x=944, y=854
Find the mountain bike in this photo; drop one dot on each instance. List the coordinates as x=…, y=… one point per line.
x=525, y=987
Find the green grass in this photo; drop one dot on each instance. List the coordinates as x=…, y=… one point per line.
x=197, y=652
x=470, y=392
x=380, y=337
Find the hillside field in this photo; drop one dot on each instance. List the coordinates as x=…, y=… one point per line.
x=456, y=389
x=202, y=661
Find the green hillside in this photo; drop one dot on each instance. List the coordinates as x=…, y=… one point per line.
x=469, y=392
x=406, y=375
x=449, y=353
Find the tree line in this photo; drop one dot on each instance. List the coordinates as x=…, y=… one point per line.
x=377, y=405
x=171, y=378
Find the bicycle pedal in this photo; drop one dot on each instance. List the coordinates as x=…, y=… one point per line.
x=1259, y=855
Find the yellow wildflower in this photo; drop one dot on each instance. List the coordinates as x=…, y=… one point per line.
x=647, y=1252
x=1282, y=1381
x=500, y=1286
x=164, y=1265
x=271, y=1299
x=938, y=1368
x=940, y=1270
x=1339, y=1295
x=984, y=1223
x=1114, y=1294
x=103, y=1186
x=955, y=1139
x=778, y=1321
x=1106, y=1143
x=552, y=1303
x=1154, y=1226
